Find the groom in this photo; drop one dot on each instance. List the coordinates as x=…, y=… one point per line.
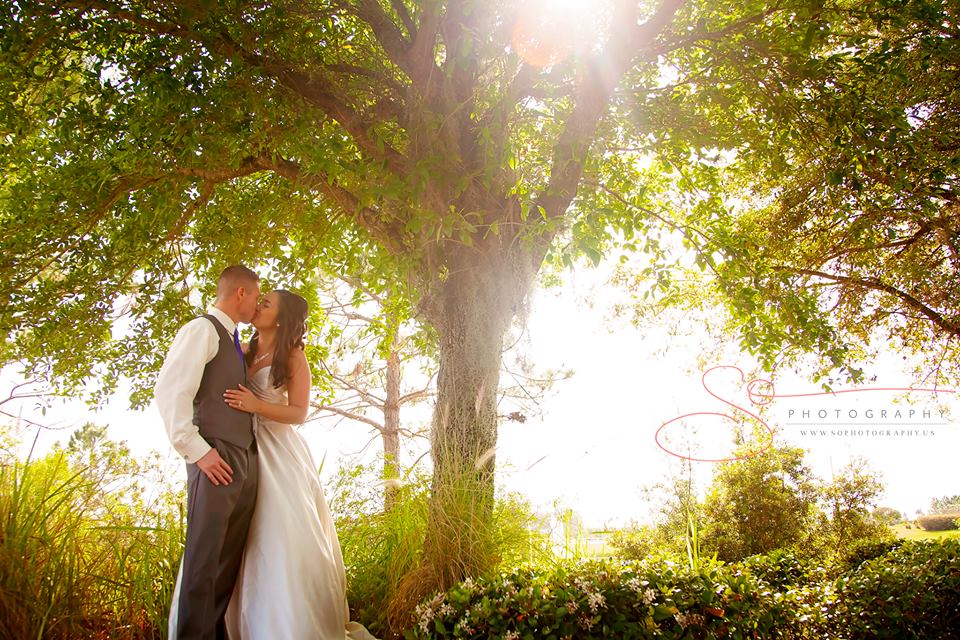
x=218, y=445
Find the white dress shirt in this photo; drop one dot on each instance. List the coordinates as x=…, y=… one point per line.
x=196, y=344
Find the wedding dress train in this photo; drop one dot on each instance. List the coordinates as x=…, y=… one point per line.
x=292, y=583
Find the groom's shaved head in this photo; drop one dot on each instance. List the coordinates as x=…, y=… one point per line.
x=235, y=277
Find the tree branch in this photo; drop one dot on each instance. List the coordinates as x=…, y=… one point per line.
x=628, y=43
x=404, y=16
x=374, y=401
x=389, y=235
x=415, y=395
x=350, y=415
x=385, y=30
x=206, y=192
x=314, y=89
x=364, y=72
x=124, y=186
x=876, y=285
x=422, y=56
x=13, y=395
x=310, y=86
x=520, y=86
x=356, y=283
x=716, y=36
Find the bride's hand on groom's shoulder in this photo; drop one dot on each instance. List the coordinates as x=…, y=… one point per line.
x=242, y=399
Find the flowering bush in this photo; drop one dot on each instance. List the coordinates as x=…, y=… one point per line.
x=597, y=600
x=912, y=591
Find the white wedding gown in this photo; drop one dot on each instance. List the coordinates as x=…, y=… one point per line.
x=292, y=584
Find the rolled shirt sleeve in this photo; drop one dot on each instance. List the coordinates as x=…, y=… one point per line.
x=195, y=345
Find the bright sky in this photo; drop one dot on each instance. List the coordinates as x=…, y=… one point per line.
x=598, y=435
x=594, y=448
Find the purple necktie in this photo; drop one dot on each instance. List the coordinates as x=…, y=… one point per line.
x=236, y=343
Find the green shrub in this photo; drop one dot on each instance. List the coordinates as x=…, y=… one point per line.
x=634, y=544
x=938, y=521
x=602, y=600
x=782, y=569
x=911, y=592
x=868, y=550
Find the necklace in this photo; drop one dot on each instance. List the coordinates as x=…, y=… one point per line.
x=262, y=357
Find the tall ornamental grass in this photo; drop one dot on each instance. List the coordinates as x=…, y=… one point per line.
x=79, y=558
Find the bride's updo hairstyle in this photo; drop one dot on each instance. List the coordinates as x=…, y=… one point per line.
x=291, y=329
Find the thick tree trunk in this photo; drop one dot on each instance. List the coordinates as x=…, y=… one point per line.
x=464, y=434
x=391, y=432
x=471, y=311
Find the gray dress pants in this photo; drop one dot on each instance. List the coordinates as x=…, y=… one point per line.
x=218, y=518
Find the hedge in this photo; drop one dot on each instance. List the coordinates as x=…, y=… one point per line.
x=906, y=591
x=938, y=521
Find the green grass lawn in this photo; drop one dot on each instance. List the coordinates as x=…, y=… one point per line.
x=916, y=533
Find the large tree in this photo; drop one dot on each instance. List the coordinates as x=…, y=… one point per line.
x=440, y=152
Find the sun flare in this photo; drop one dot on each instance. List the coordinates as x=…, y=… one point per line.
x=545, y=32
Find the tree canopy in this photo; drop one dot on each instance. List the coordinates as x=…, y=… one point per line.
x=145, y=144
x=820, y=187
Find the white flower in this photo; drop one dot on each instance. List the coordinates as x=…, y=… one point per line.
x=687, y=619
x=571, y=606
x=468, y=584
x=634, y=583
x=445, y=610
x=596, y=600
x=649, y=596
x=511, y=635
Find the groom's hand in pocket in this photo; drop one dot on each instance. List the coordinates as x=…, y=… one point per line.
x=215, y=468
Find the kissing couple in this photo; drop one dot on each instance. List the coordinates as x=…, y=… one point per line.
x=261, y=559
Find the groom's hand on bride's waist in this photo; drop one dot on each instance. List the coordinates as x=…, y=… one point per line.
x=215, y=468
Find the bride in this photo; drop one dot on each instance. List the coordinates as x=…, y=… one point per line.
x=292, y=584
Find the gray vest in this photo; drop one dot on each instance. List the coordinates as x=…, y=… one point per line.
x=211, y=414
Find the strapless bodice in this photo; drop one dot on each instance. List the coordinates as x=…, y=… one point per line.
x=262, y=386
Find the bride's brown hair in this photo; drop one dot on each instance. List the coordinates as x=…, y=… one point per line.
x=292, y=328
